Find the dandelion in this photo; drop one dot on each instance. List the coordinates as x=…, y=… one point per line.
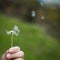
x=15, y=32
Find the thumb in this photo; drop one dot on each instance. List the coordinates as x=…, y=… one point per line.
x=4, y=56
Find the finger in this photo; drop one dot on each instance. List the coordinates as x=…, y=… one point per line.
x=14, y=49
x=16, y=55
x=19, y=59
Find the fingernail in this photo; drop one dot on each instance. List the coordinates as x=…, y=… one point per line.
x=8, y=55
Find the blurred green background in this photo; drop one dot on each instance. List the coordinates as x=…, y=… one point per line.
x=39, y=24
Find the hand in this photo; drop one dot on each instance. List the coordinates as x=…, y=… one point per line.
x=14, y=53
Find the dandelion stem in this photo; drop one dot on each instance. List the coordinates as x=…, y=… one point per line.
x=12, y=40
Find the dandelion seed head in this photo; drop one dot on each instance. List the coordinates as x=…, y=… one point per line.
x=15, y=31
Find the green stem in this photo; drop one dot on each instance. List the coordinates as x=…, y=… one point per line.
x=12, y=40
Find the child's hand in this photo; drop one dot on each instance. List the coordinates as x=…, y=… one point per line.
x=13, y=53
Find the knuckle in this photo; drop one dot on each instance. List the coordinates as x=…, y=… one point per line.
x=14, y=49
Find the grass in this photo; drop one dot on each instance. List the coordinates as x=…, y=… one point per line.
x=32, y=39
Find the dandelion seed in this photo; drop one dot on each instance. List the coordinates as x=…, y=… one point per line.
x=15, y=31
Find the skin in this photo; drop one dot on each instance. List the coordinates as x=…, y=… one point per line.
x=14, y=53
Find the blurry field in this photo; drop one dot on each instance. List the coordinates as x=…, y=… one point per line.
x=32, y=39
